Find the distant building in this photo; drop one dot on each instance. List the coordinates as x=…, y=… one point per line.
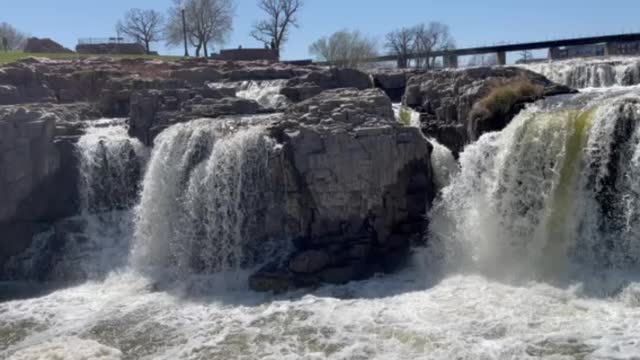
x=104, y=46
x=618, y=48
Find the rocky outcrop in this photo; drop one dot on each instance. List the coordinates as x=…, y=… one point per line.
x=46, y=45
x=445, y=100
x=153, y=110
x=393, y=82
x=37, y=169
x=358, y=187
x=311, y=84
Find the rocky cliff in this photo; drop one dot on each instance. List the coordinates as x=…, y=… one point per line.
x=445, y=100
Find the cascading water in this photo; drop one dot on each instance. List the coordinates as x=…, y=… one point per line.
x=555, y=188
x=443, y=163
x=581, y=73
x=265, y=92
x=205, y=196
x=97, y=240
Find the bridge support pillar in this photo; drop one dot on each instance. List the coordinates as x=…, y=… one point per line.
x=610, y=49
x=450, y=61
x=502, y=58
x=402, y=63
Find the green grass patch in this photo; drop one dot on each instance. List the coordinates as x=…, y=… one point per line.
x=405, y=116
x=13, y=56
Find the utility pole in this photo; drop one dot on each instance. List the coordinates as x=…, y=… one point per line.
x=184, y=28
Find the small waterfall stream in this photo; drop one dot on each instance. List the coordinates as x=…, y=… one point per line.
x=265, y=92
x=204, y=200
x=554, y=188
x=591, y=73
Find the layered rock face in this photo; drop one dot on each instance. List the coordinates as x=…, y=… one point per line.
x=393, y=82
x=37, y=169
x=351, y=185
x=358, y=184
x=445, y=100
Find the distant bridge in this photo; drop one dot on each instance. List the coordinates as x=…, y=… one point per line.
x=450, y=57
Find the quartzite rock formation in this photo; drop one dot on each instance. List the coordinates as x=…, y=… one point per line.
x=445, y=100
x=357, y=183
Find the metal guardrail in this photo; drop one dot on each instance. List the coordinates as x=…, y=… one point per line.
x=97, y=41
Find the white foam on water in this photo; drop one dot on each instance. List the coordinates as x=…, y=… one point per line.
x=400, y=316
x=68, y=348
x=204, y=196
x=443, y=163
x=591, y=73
x=264, y=92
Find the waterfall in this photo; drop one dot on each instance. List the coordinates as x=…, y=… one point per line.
x=205, y=198
x=96, y=241
x=581, y=73
x=444, y=164
x=110, y=165
x=265, y=92
x=554, y=189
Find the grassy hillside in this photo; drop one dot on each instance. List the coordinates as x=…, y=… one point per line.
x=11, y=56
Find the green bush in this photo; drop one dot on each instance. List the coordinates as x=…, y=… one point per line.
x=405, y=116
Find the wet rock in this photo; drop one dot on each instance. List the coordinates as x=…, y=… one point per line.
x=445, y=100
x=355, y=175
x=393, y=82
x=304, y=87
x=309, y=262
x=197, y=76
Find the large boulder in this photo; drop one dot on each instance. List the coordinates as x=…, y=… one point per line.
x=358, y=187
x=445, y=99
x=311, y=84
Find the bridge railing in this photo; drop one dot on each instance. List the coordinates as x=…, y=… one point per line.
x=104, y=40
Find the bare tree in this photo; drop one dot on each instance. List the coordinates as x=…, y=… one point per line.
x=281, y=16
x=431, y=38
x=344, y=49
x=145, y=26
x=525, y=56
x=401, y=44
x=483, y=60
x=11, y=37
x=208, y=23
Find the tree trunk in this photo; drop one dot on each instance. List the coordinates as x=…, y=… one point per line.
x=206, y=52
x=198, y=49
x=146, y=47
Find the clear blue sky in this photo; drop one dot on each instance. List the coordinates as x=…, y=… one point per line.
x=472, y=22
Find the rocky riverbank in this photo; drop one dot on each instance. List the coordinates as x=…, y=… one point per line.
x=355, y=183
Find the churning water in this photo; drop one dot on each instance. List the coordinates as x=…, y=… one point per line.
x=264, y=92
x=581, y=73
x=533, y=254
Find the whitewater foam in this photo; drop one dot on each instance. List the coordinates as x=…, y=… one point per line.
x=591, y=73
x=205, y=195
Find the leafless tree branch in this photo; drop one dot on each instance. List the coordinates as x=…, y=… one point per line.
x=145, y=26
